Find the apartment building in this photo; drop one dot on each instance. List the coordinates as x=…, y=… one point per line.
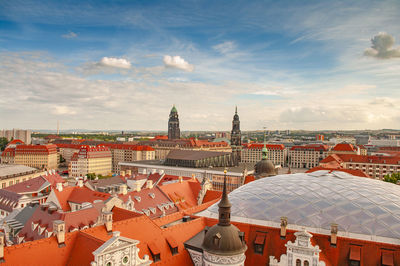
x=374, y=166
x=24, y=135
x=307, y=156
x=252, y=153
x=37, y=156
x=129, y=153
x=89, y=159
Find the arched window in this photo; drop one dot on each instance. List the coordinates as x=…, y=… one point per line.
x=306, y=263
x=298, y=262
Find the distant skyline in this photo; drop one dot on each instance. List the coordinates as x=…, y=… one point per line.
x=121, y=65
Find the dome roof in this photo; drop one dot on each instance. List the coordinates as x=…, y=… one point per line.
x=358, y=205
x=228, y=240
x=265, y=168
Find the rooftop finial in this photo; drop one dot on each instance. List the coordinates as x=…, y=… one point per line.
x=236, y=109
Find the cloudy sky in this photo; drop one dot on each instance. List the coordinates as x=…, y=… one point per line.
x=123, y=64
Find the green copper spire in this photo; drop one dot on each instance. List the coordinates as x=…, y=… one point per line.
x=264, y=149
x=173, y=110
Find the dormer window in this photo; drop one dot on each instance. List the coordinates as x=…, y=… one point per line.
x=173, y=245
x=137, y=198
x=152, y=195
x=387, y=258
x=259, y=243
x=355, y=255
x=154, y=251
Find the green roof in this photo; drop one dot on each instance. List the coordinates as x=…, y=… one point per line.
x=173, y=110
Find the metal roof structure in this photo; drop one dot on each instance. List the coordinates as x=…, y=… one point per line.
x=360, y=206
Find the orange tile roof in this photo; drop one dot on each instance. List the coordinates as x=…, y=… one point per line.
x=183, y=194
x=84, y=242
x=355, y=172
x=249, y=178
x=122, y=214
x=78, y=195
x=259, y=146
x=344, y=147
x=212, y=195
x=315, y=147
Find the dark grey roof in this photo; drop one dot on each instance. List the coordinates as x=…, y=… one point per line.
x=19, y=221
x=115, y=180
x=193, y=155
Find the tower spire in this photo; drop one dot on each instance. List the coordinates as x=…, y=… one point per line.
x=224, y=205
x=236, y=109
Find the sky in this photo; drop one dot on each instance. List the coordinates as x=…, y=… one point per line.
x=122, y=65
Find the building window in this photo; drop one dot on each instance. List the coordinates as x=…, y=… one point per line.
x=298, y=262
x=259, y=243
x=306, y=263
x=355, y=255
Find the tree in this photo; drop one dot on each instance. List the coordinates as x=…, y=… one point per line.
x=3, y=143
x=91, y=176
x=393, y=178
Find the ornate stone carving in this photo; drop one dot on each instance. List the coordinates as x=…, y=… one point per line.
x=228, y=260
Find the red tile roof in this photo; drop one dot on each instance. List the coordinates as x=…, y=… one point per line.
x=344, y=147
x=259, y=146
x=83, y=242
x=354, y=172
x=35, y=149
x=16, y=141
x=122, y=214
x=44, y=219
x=212, y=195
x=249, y=178
x=53, y=179
x=184, y=194
x=315, y=147
x=33, y=185
x=78, y=195
x=149, y=201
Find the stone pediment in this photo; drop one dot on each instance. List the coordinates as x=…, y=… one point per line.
x=114, y=243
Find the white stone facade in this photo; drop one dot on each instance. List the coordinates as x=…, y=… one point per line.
x=299, y=253
x=119, y=250
x=217, y=260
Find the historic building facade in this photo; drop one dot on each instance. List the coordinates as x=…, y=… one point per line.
x=173, y=124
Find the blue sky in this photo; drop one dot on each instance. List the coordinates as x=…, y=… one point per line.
x=123, y=64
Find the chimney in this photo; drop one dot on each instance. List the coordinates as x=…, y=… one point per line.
x=59, y=186
x=80, y=182
x=59, y=232
x=149, y=184
x=153, y=171
x=129, y=172
x=2, y=244
x=193, y=176
x=123, y=189
x=334, y=230
x=107, y=220
x=180, y=179
x=284, y=224
x=122, y=173
x=138, y=186
x=144, y=171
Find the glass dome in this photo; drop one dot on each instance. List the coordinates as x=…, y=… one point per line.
x=358, y=205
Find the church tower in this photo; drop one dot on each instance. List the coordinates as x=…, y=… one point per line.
x=173, y=124
x=236, y=138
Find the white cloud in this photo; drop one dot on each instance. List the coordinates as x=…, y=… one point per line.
x=177, y=62
x=63, y=110
x=115, y=62
x=382, y=47
x=225, y=47
x=70, y=35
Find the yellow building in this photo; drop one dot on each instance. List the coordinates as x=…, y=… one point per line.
x=95, y=160
x=38, y=156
